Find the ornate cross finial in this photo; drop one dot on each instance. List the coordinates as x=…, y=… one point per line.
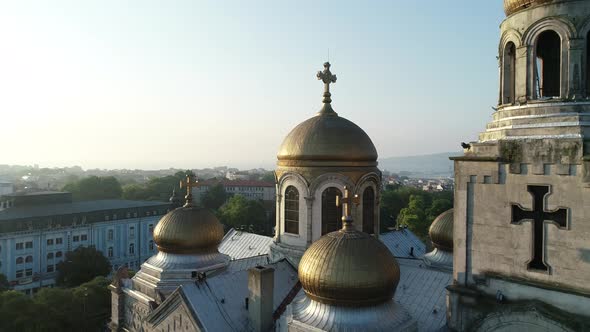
x=346, y=202
x=188, y=184
x=327, y=77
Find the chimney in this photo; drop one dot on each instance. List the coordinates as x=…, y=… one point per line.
x=260, y=297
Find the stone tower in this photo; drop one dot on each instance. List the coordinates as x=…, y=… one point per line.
x=522, y=197
x=317, y=159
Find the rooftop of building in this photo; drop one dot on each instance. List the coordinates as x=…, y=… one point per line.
x=73, y=208
x=236, y=183
x=238, y=244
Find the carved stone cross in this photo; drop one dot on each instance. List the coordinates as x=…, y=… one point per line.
x=538, y=216
x=188, y=184
x=327, y=77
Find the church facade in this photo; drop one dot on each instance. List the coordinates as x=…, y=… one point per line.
x=521, y=228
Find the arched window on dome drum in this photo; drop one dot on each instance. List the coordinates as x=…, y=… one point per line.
x=508, y=73
x=291, y=213
x=331, y=214
x=369, y=210
x=548, y=65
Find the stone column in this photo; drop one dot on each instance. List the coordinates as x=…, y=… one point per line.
x=309, y=205
x=260, y=297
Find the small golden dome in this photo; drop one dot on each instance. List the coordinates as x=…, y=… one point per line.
x=513, y=6
x=188, y=230
x=348, y=267
x=441, y=231
x=327, y=137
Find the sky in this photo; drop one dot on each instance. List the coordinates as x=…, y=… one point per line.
x=192, y=84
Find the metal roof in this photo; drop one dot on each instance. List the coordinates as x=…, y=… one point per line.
x=401, y=241
x=422, y=292
x=72, y=208
x=239, y=244
x=219, y=301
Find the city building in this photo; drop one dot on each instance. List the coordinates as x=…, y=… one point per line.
x=250, y=189
x=521, y=230
x=38, y=229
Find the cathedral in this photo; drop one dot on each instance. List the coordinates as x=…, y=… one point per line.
x=513, y=254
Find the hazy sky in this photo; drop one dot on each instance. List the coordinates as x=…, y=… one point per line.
x=191, y=84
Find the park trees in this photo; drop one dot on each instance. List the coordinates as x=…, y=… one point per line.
x=82, y=265
x=94, y=187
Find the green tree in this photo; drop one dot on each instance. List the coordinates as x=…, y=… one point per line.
x=157, y=189
x=94, y=187
x=240, y=212
x=17, y=312
x=268, y=177
x=414, y=216
x=215, y=197
x=439, y=205
x=81, y=265
x=4, y=284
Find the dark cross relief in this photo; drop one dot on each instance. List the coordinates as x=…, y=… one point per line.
x=539, y=216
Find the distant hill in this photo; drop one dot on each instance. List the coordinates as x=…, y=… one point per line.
x=430, y=165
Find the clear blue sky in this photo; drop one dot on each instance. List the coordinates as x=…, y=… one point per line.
x=157, y=84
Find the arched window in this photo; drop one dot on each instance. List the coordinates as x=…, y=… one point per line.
x=19, y=260
x=131, y=249
x=508, y=73
x=369, y=210
x=58, y=254
x=110, y=252
x=50, y=255
x=548, y=65
x=291, y=216
x=331, y=214
x=29, y=259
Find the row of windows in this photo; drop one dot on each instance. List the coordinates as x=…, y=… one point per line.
x=331, y=213
x=58, y=254
x=24, y=273
x=111, y=232
x=57, y=240
x=131, y=249
x=20, y=260
x=547, y=67
x=23, y=245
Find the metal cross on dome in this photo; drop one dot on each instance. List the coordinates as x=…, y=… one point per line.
x=346, y=201
x=327, y=77
x=189, y=184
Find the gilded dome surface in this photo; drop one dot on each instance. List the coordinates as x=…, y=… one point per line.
x=350, y=268
x=441, y=231
x=513, y=6
x=188, y=229
x=327, y=137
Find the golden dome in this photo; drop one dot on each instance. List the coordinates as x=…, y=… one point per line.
x=348, y=267
x=513, y=6
x=441, y=231
x=188, y=230
x=327, y=137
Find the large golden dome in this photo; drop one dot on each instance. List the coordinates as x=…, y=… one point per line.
x=188, y=230
x=513, y=6
x=441, y=231
x=327, y=137
x=348, y=267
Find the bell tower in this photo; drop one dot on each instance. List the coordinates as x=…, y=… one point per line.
x=521, y=230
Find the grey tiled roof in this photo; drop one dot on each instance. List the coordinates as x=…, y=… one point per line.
x=219, y=301
x=422, y=291
x=239, y=244
x=72, y=208
x=401, y=241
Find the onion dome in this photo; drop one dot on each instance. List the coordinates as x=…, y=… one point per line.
x=349, y=267
x=327, y=136
x=441, y=231
x=513, y=6
x=188, y=229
